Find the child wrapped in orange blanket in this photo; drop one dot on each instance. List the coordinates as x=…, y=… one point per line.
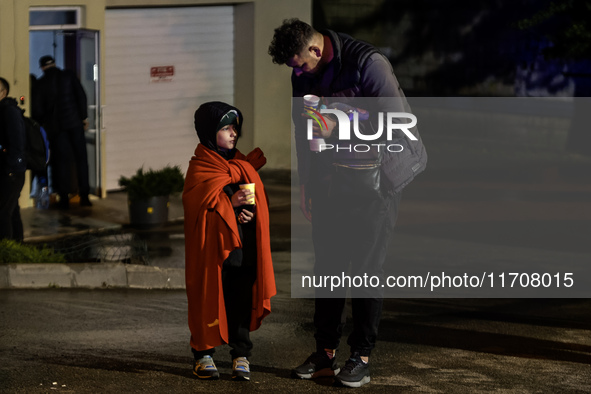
x=228, y=267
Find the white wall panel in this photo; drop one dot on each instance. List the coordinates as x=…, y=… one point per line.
x=151, y=124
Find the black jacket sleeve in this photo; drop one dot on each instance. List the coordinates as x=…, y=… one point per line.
x=13, y=140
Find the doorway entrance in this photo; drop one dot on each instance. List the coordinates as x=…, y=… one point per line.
x=76, y=50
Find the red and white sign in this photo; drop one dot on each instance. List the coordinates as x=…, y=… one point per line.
x=161, y=74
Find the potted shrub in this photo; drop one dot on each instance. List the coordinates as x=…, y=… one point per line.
x=148, y=193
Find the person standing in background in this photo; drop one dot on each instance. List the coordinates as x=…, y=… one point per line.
x=12, y=164
x=60, y=106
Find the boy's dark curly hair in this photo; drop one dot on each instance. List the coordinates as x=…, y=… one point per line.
x=290, y=39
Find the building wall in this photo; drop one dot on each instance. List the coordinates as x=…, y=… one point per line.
x=263, y=89
x=199, y=43
x=14, y=47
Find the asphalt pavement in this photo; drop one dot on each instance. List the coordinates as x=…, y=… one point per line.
x=125, y=340
x=136, y=341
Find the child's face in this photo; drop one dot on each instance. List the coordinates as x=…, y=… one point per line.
x=226, y=137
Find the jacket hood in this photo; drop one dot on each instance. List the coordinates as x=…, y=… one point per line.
x=9, y=101
x=212, y=116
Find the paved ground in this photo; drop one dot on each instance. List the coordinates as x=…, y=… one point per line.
x=136, y=341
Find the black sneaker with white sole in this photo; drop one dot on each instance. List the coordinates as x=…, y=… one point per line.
x=355, y=373
x=315, y=366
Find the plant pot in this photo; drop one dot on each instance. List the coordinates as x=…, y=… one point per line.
x=150, y=212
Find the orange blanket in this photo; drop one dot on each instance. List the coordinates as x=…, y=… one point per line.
x=211, y=233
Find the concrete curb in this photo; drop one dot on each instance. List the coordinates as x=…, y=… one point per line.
x=90, y=275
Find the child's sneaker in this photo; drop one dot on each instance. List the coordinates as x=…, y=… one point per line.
x=315, y=366
x=204, y=368
x=240, y=369
x=355, y=373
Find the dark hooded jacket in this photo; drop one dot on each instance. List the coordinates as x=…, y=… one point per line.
x=59, y=101
x=12, y=137
x=209, y=118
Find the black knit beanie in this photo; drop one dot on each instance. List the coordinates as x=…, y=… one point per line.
x=211, y=117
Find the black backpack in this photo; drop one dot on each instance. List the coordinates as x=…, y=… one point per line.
x=37, y=146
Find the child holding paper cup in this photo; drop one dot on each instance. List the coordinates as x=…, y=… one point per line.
x=228, y=267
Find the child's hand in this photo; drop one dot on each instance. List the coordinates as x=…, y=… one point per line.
x=241, y=197
x=245, y=216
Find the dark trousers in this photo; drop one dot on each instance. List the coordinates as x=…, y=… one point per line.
x=66, y=147
x=237, y=283
x=11, y=225
x=329, y=321
x=351, y=232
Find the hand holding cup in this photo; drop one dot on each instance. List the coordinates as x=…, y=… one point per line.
x=244, y=196
x=248, y=192
x=311, y=103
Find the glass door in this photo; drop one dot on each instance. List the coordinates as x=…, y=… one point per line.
x=76, y=50
x=85, y=45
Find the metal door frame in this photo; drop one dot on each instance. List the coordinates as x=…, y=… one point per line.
x=96, y=128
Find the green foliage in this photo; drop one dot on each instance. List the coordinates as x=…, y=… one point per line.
x=545, y=14
x=153, y=183
x=15, y=252
x=567, y=24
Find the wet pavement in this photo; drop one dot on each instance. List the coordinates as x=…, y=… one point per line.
x=136, y=341
x=102, y=233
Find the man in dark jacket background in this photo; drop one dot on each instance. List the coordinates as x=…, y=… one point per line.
x=12, y=164
x=352, y=223
x=60, y=106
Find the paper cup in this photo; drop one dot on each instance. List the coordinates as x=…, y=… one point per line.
x=311, y=102
x=249, y=186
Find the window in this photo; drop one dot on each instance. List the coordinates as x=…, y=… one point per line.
x=43, y=18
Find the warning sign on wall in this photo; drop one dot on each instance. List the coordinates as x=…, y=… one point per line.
x=161, y=74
